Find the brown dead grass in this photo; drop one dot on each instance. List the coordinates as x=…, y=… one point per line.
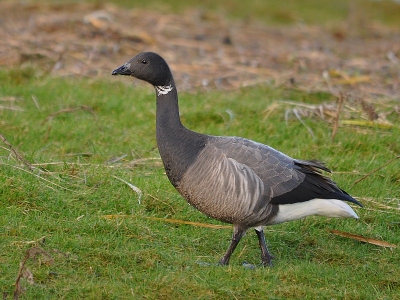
x=204, y=50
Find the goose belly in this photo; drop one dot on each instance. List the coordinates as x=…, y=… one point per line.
x=225, y=190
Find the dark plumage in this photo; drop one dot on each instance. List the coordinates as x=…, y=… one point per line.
x=233, y=179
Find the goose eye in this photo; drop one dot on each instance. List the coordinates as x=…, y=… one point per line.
x=144, y=61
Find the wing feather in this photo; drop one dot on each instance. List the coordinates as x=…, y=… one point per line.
x=275, y=169
x=288, y=180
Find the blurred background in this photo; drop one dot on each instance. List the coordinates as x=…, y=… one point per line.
x=334, y=46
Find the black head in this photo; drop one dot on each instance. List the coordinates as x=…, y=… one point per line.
x=147, y=66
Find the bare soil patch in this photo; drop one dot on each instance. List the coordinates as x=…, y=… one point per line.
x=204, y=50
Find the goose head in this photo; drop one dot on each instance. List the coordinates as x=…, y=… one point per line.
x=147, y=66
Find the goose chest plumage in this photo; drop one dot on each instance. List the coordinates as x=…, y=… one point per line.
x=233, y=179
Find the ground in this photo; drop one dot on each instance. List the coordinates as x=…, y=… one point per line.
x=204, y=49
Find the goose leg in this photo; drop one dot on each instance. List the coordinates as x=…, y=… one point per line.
x=266, y=257
x=238, y=233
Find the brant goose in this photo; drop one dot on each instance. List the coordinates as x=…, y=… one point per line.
x=233, y=179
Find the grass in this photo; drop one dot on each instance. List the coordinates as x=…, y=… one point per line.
x=136, y=255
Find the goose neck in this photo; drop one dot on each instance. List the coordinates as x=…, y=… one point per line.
x=167, y=114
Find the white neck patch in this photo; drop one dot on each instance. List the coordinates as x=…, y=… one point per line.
x=163, y=90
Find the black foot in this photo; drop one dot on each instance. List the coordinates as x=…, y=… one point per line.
x=266, y=258
x=267, y=261
x=223, y=262
x=237, y=235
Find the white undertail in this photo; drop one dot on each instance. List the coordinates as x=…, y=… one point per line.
x=320, y=207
